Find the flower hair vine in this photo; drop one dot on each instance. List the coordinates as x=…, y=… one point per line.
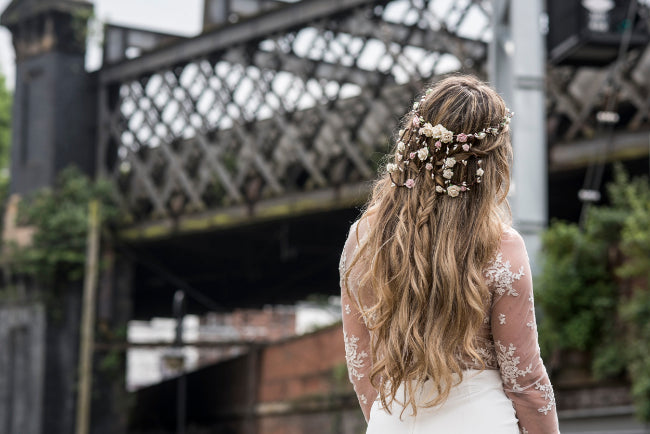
x=423, y=148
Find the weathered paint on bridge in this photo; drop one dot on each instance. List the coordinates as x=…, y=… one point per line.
x=241, y=215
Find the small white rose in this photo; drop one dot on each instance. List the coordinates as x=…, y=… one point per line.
x=480, y=135
x=427, y=130
x=391, y=167
x=479, y=172
x=438, y=130
x=400, y=133
x=400, y=146
x=450, y=162
x=423, y=153
x=447, y=173
x=453, y=190
x=446, y=136
x=439, y=189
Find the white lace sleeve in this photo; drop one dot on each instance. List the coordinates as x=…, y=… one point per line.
x=514, y=331
x=355, y=332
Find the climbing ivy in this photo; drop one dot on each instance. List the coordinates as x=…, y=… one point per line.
x=60, y=218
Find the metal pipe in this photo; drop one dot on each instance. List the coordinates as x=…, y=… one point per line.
x=181, y=382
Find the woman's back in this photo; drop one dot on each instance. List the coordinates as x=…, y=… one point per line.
x=507, y=342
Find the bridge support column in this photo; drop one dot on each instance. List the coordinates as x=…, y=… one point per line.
x=53, y=126
x=517, y=70
x=54, y=102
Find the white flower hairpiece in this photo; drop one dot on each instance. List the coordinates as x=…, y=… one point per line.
x=437, y=151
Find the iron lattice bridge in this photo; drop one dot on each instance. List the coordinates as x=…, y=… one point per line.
x=297, y=103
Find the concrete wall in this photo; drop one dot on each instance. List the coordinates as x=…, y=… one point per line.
x=22, y=363
x=38, y=364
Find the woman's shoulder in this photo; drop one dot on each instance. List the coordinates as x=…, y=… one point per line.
x=360, y=229
x=511, y=251
x=511, y=238
x=358, y=232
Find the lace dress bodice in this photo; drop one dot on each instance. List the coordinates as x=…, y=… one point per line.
x=508, y=340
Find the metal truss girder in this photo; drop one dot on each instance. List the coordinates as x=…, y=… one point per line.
x=298, y=105
x=577, y=94
x=301, y=66
x=580, y=153
x=340, y=197
x=261, y=26
x=441, y=41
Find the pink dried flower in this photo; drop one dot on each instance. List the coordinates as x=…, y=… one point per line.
x=462, y=138
x=409, y=183
x=465, y=147
x=429, y=166
x=438, y=145
x=416, y=122
x=412, y=155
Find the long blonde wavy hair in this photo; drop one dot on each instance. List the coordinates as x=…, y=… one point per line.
x=422, y=287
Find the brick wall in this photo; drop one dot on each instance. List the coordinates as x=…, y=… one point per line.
x=304, y=387
x=306, y=365
x=270, y=324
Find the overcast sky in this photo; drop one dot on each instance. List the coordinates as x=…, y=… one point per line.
x=183, y=17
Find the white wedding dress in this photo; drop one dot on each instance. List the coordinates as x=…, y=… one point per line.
x=512, y=395
x=477, y=404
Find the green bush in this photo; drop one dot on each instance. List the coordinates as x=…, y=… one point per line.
x=577, y=292
x=594, y=287
x=60, y=217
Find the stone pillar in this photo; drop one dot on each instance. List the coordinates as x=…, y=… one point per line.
x=22, y=364
x=54, y=112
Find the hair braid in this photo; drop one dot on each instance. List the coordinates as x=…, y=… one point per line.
x=422, y=285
